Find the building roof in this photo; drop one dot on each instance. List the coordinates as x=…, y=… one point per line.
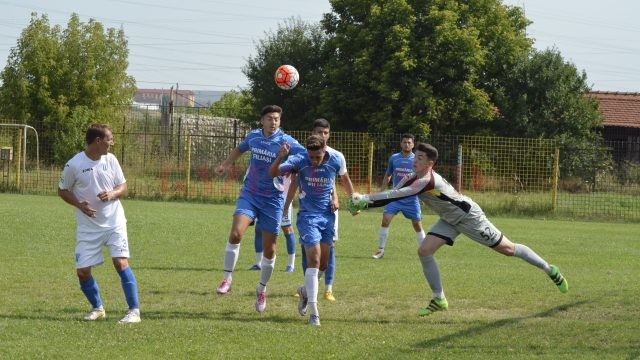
x=619, y=108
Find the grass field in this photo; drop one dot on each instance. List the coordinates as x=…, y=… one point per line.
x=500, y=308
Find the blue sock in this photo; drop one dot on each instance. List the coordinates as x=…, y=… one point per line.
x=331, y=268
x=130, y=288
x=258, y=239
x=92, y=292
x=291, y=243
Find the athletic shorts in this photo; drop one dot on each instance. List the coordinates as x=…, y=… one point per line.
x=89, y=246
x=315, y=228
x=335, y=226
x=475, y=226
x=411, y=211
x=267, y=210
x=286, y=218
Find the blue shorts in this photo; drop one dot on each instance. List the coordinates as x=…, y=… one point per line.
x=410, y=209
x=268, y=210
x=315, y=228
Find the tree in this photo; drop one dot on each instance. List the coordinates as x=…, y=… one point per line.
x=295, y=43
x=546, y=99
x=60, y=80
x=237, y=105
x=419, y=65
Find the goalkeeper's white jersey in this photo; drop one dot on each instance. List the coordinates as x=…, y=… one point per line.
x=86, y=178
x=434, y=191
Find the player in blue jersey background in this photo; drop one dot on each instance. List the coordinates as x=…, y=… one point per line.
x=400, y=165
x=259, y=198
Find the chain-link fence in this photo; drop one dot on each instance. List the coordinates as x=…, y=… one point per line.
x=173, y=156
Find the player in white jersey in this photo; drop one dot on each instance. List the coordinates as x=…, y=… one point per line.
x=93, y=182
x=458, y=215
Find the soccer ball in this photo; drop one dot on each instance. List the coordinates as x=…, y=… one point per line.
x=286, y=77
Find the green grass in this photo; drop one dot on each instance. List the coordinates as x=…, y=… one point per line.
x=500, y=308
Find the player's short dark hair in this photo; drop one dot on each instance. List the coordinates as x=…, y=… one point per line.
x=408, y=136
x=315, y=142
x=96, y=131
x=321, y=123
x=430, y=150
x=269, y=109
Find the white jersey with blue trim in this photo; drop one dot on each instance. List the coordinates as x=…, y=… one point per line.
x=86, y=178
x=264, y=150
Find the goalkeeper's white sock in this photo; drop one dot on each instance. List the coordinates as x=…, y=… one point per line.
x=530, y=256
x=230, y=259
x=420, y=235
x=383, y=234
x=311, y=285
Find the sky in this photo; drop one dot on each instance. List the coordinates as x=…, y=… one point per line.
x=203, y=44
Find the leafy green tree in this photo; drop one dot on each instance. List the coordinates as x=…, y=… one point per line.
x=237, y=105
x=295, y=43
x=419, y=65
x=59, y=80
x=546, y=99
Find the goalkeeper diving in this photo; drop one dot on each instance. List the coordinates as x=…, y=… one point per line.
x=458, y=214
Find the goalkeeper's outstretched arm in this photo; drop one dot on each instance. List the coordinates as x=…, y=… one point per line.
x=410, y=186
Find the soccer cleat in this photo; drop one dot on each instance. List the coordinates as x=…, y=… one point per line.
x=434, y=305
x=379, y=254
x=558, y=279
x=289, y=269
x=302, y=301
x=314, y=320
x=131, y=317
x=255, y=267
x=329, y=296
x=96, y=314
x=261, y=301
x=225, y=287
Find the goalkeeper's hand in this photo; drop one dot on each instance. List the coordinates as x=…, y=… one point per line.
x=357, y=203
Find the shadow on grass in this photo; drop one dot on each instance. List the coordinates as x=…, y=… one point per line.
x=478, y=330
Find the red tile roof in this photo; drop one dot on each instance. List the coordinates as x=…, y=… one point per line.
x=619, y=108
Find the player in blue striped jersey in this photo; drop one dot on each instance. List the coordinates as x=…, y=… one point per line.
x=259, y=198
x=317, y=171
x=400, y=165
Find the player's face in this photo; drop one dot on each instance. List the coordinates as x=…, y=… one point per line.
x=270, y=123
x=407, y=145
x=323, y=132
x=105, y=143
x=421, y=163
x=316, y=156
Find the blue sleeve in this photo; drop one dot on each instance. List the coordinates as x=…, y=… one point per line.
x=296, y=148
x=244, y=144
x=390, y=166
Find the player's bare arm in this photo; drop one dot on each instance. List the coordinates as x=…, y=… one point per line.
x=233, y=156
x=282, y=154
x=117, y=192
x=71, y=199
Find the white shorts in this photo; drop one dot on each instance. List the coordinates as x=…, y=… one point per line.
x=89, y=246
x=286, y=217
x=335, y=227
x=475, y=226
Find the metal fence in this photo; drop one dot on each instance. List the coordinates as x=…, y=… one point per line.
x=175, y=159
